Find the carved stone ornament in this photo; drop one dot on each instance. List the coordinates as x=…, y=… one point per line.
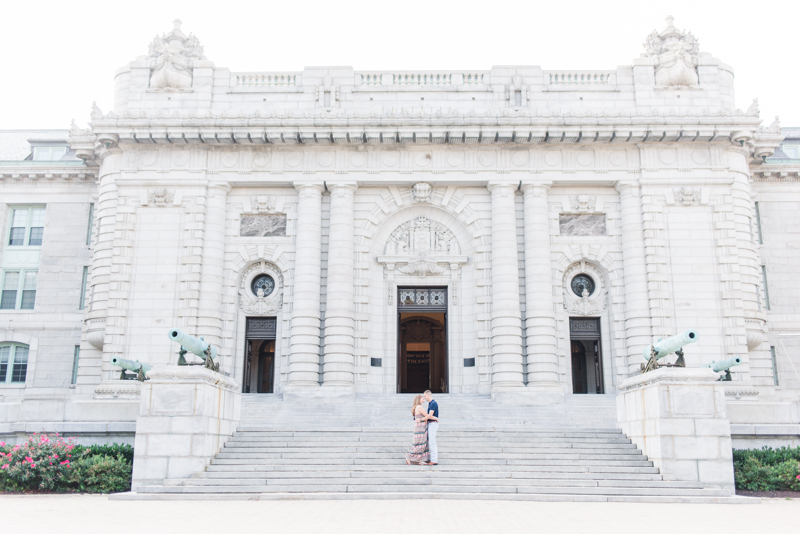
x=262, y=204
x=172, y=58
x=586, y=304
x=420, y=247
x=675, y=53
x=421, y=192
x=687, y=196
x=260, y=304
x=118, y=389
x=422, y=236
x=160, y=197
x=738, y=393
x=583, y=203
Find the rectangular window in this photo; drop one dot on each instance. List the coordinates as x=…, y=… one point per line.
x=84, y=283
x=49, y=153
x=91, y=222
x=758, y=225
x=75, y=359
x=19, y=290
x=774, y=366
x=27, y=227
x=13, y=363
x=28, y=290
x=766, y=288
x=8, y=300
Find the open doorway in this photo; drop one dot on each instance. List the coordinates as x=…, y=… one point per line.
x=586, y=358
x=259, y=361
x=422, y=340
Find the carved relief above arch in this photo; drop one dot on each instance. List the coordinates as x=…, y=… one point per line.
x=421, y=246
x=584, y=289
x=261, y=302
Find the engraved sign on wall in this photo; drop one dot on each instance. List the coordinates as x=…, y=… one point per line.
x=263, y=226
x=582, y=224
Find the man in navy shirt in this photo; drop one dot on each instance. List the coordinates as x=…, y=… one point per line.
x=433, y=426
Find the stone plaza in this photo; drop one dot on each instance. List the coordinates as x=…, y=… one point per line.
x=512, y=239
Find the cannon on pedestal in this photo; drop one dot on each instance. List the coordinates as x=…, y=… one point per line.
x=196, y=346
x=664, y=347
x=724, y=366
x=138, y=369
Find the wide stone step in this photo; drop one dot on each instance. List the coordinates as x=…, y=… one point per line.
x=552, y=478
x=523, y=434
x=444, y=455
x=436, y=481
x=378, y=440
x=400, y=461
x=385, y=488
x=370, y=470
x=485, y=451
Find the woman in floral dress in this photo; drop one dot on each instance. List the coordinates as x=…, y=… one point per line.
x=419, y=445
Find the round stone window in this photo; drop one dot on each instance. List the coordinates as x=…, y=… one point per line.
x=263, y=282
x=582, y=283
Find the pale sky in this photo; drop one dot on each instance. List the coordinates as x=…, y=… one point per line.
x=58, y=57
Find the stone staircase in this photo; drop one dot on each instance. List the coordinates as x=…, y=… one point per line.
x=570, y=451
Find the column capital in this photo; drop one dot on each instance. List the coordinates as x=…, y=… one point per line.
x=502, y=188
x=343, y=187
x=309, y=188
x=632, y=186
x=536, y=188
x=223, y=186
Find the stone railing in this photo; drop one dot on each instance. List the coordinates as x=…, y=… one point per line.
x=263, y=79
x=410, y=78
x=586, y=77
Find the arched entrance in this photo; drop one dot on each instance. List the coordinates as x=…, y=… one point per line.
x=422, y=340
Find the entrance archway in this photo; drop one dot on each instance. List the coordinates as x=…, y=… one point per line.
x=422, y=340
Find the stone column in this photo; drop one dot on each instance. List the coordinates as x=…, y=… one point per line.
x=507, y=368
x=339, y=360
x=209, y=313
x=752, y=309
x=638, y=330
x=304, y=341
x=540, y=323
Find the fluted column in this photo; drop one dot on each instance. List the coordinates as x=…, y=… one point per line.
x=540, y=323
x=638, y=329
x=338, y=357
x=304, y=340
x=209, y=313
x=507, y=368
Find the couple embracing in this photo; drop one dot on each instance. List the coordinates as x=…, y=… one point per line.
x=423, y=447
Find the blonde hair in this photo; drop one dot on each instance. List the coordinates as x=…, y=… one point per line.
x=417, y=402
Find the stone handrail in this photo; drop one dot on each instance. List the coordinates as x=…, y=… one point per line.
x=263, y=79
x=414, y=78
x=584, y=77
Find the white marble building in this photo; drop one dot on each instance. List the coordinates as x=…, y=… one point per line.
x=514, y=231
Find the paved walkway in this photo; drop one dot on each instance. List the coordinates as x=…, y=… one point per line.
x=96, y=514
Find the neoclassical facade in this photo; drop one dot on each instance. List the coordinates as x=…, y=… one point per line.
x=512, y=232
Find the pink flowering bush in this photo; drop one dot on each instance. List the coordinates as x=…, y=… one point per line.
x=53, y=464
x=41, y=463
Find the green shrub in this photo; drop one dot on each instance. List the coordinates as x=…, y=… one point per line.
x=52, y=464
x=113, y=450
x=100, y=474
x=767, y=469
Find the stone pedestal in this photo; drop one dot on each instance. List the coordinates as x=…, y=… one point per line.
x=185, y=417
x=677, y=418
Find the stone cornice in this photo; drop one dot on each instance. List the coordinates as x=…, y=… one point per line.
x=55, y=174
x=672, y=375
